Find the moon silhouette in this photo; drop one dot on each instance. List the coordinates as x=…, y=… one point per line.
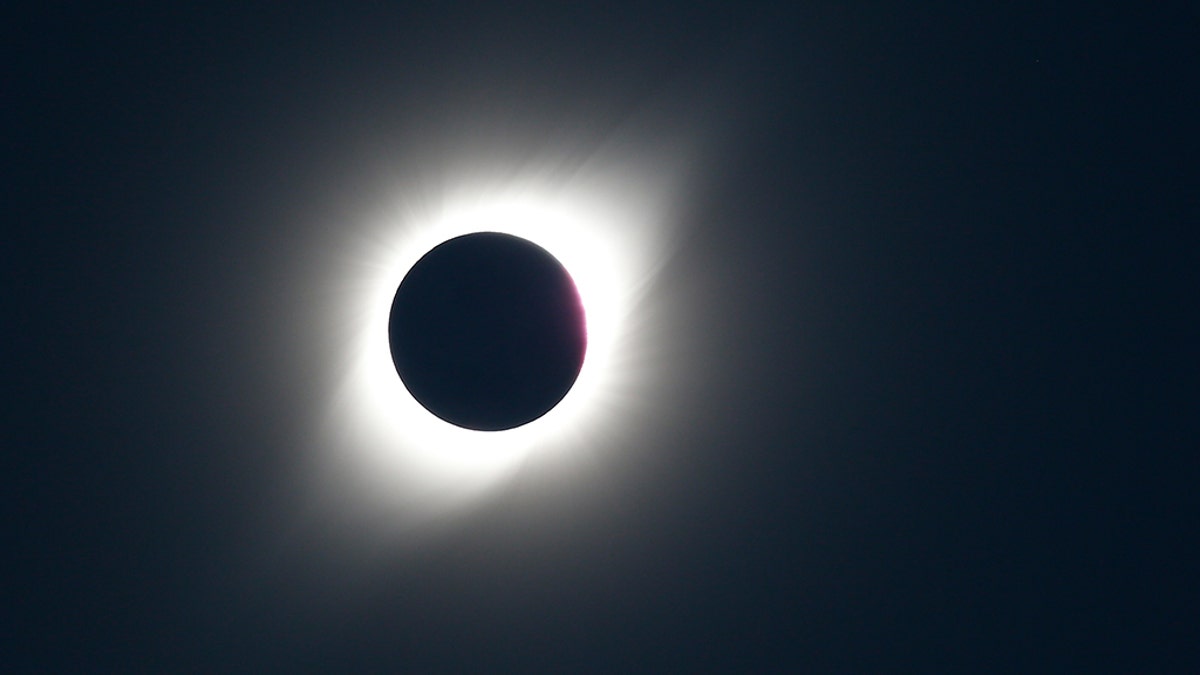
x=487, y=331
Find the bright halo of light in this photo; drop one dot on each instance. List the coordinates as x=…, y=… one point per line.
x=612, y=233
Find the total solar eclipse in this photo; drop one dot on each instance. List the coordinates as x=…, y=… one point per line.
x=487, y=331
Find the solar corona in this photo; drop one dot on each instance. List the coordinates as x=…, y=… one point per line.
x=490, y=327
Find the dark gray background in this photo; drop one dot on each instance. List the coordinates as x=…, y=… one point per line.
x=943, y=251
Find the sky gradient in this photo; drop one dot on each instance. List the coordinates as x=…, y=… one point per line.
x=906, y=380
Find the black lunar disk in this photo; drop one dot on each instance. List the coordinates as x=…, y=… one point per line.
x=487, y=331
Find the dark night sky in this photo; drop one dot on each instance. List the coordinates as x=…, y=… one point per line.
x=933, y=268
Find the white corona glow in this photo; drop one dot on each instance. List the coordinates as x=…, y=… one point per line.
x=612, y=233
